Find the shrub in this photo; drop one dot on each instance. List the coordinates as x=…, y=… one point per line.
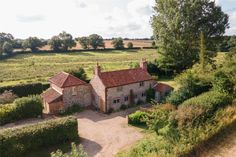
x=222, y=82
x=197, y=109
x=123, y=107
x=26, y=89
x=7, y=97
x=137, y=118
x=130, y=45
x=150, y=94
x=26, y=107
x=74, y=152
x=118, y=43
x=18, y=140
x=80, y=73
x=191, y=86
x=70, y=110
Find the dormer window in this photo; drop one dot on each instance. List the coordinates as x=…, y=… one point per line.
x=141, y=84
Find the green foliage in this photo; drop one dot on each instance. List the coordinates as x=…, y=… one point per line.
x=198, y=109
x=70, y=110
x=137, y=118
x=22, y=108
x=130, y=45
x=96, y=41
x=33, y=43
x=5, y=40
x=222, y=82
x=80, y=73
x=123, y=107
x=74, y=152
x=177, y=29
x=118, y=43
x=18, y=140
x=232, y=44
x=7, y=47
x=84, y=42
x=25, y=89
x=67, y=41
x=202, y=51
x=62, y=42
x=190, y=85
x=150, y=94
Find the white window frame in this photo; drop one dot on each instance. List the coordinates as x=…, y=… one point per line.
x=74, y=92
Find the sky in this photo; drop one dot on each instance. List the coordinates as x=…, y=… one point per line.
x=109, y=18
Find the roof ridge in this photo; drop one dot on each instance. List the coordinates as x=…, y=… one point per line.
x=121, y=70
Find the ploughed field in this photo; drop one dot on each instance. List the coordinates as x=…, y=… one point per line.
x=26, y=68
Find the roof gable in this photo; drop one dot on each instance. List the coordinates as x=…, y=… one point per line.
x=124, y=77
x=63, y=80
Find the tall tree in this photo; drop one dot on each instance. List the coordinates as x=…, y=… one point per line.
x=84, y=42
x=178, y=23
x=202, y=51
x=96, y=41
x=55, y=43
x=5, y=38
x=118, y=43
x=67, y=41
x=33, y=43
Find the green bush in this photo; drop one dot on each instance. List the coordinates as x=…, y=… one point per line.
x=123, y=107
x=26, y=89
x=222, y=82
x=137, y=118
x=74, y=152
x=198, y=109
x=150, y=94
x=18, y=140
x=70, y=110
x=190, y=86
x=26, y=107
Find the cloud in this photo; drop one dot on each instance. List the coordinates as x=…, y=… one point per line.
x=33, y=18
x=80, y=4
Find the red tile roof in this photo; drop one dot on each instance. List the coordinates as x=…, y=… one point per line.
x=124, y=77
x=63, y=80
x=161, y=87
x=51, y=96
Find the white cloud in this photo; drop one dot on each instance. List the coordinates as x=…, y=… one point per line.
x=45, y=18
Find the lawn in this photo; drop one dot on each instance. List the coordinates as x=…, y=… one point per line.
x=26, y=68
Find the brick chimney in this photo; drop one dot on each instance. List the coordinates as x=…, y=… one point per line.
x=97, y=70
x=143, y=64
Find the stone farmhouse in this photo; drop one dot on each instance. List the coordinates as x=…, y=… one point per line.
x=106, y=91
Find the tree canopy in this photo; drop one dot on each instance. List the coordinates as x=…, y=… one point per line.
x=177, y=25
x=118, y=43
x=96, y=41
x=33, y=43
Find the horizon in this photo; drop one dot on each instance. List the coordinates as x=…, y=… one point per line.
x=108, y=18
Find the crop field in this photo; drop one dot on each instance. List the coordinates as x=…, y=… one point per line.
x=26, y=68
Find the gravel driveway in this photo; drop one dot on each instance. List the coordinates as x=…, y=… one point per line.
x=104, y=135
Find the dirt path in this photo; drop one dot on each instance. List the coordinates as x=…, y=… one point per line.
x=225, y=147
x=104, y=135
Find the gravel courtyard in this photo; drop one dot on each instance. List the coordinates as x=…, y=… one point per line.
x=104, y=135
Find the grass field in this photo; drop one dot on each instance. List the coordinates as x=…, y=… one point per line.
x=25, y=68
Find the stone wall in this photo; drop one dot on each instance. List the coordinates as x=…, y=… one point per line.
x=98, y=91
x=80, y=95
x=138, y=93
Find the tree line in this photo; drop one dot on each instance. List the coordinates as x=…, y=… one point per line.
x=59, y=43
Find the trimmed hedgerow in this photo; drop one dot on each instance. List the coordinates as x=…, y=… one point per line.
x=198, y=109
x=26, y=107
x=19, y=140
x=25, y=89
x=137, y=118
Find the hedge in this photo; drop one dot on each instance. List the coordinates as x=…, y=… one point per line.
x=26, y=107
x=198, y=109
x=19, y=140
x=137, y=118
x=26, y=89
